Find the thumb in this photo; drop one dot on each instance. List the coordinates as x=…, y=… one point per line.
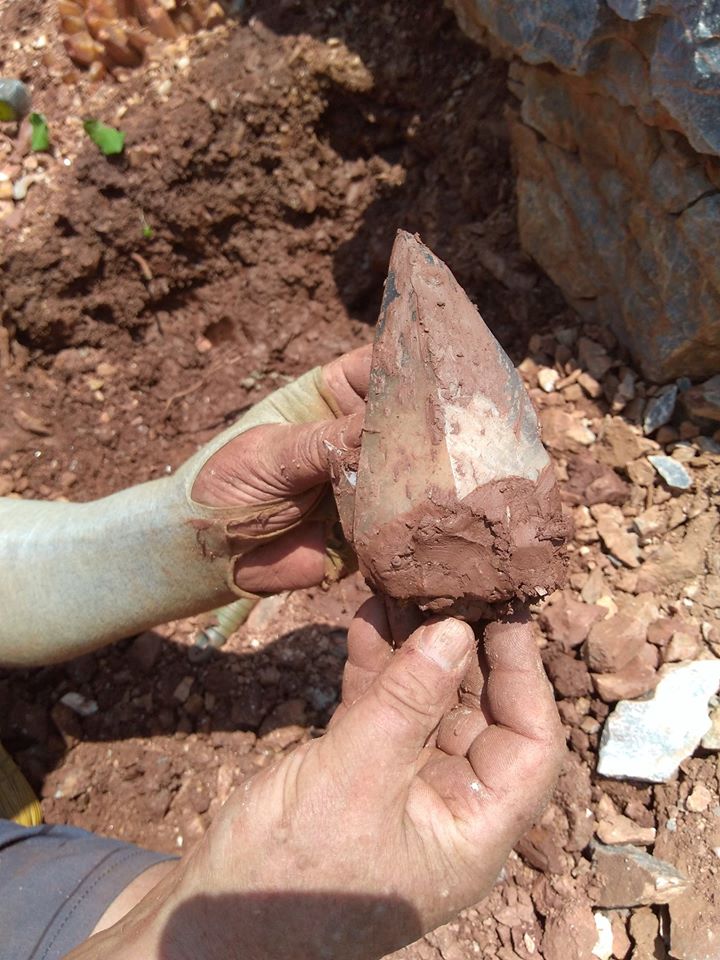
x=297, y=456
x=390, y=724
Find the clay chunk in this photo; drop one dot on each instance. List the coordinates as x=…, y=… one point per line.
x=454, y=503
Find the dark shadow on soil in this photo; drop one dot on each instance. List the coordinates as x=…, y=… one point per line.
x=437, y=114
x=293, y=680
x=293, y=925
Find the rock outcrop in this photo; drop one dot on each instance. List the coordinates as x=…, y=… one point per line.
x=617, y=141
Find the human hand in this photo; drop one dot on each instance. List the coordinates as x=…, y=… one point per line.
x=400, y=816
x=281, y=470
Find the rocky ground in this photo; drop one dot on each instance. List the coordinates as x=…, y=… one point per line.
x=242, y=237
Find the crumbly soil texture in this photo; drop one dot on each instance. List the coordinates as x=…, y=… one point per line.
x=242, y=237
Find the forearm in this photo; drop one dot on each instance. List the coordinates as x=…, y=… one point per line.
x=78, y=576
x=74, y=577
x=131, y=927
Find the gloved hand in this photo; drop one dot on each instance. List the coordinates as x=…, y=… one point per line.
x=401, y=815
x=278, y=474
x=242, y=515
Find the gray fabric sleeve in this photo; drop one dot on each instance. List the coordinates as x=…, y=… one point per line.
x=55, y=884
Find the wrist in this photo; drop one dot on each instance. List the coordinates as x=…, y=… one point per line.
x=139, y=926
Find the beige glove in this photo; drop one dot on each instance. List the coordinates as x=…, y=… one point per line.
x=74, y=577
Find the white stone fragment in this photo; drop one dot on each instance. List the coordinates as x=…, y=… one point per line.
x=649, y=739
x=672, y=471
x=79, y=704
x=547, y=378
x=603, y=949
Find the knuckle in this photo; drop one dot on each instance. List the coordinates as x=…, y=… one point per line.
x=308, y=449
x=406, y=693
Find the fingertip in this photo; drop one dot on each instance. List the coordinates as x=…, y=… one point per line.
x=510, y=642
x=347, y=378
x=447, y=642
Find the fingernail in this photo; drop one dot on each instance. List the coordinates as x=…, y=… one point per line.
x=447, y=643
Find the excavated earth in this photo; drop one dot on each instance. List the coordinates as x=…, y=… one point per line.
x=243, y=237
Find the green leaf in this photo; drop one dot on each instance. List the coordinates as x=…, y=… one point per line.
x=40, y=136
x=108, y=139
x=147, y=231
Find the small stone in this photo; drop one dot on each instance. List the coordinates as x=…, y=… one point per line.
x=700, y=799
x=538, y=848
x=625, y=392
x=194, y=705
x=661, y=631
x=642, y=607
x=567, y=621
x=680, y=562
x=652, y=522
x=564, y=432
x=618, y=540
x=596, y=589
x=645, y=931
x=182, y=690
x=570, y=934
x=684, y=452
x=634, y=679
x=105, y=369
x=15, y=99
x=641, y=473
x=20, y=188
x=144, y=650
x=711, y=740
x=83, y=706
x=68, y=724
x=547, y=379
x=682, y=646
x=589, y=725
x=708, y=445
x=620, y=443
x=590, y=482
x=630, y=877
x=593, y=357
x=621, y=941
x=566, y=336
x=703, y=400
x=660, y=408
x=280, y=738
x=31, y=423
x=688, y=430
x=695, y=926
x=590, y=385
x=572, y=393
x=672, y=472
x=617, y=828
x=614, y=642
x=603, y=948
x=649, y=739
x=569, y=676
x=666, y=435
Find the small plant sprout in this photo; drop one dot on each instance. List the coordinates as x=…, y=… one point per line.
x=147, y=231
x=40, y=135
x=109, y=140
